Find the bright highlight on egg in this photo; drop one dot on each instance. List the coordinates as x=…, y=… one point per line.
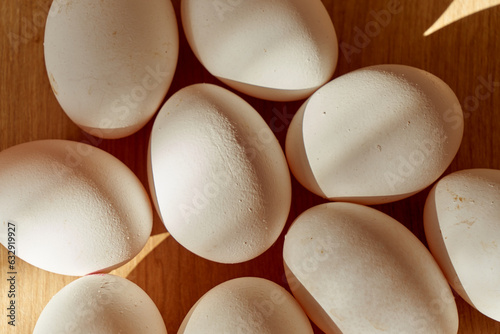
x=218, y=175
x=375, y=135
x=77, y=209
x=275, y=50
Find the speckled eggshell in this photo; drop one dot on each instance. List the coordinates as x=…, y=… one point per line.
x=354, y=269
x=375, y=135
x=218, y=175
x=100, y=304
x=110, y=63
x=276, y=50
x=76, y=209
x=246, y=305
x=462, y=226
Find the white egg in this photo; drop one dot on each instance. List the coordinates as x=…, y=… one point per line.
x=461, y=220
x=276, y=50
x=218, y=175
x=100, y=304
x=246, y=305
x=75, y=208
x=375, y=135
x=356, y=270
x=110, y=63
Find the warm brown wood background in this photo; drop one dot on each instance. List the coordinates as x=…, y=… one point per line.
x=462, y=54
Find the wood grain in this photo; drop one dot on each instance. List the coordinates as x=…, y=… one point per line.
x=461, y=53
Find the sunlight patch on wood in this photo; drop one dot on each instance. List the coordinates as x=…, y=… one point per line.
x=458, y=10
x=153, y=242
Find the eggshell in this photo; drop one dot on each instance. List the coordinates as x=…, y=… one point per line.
x=356, y=270
x=375, y=135
x=100, y=304
x=76, y=209
x=276, y=50
x=461, y=220
x=217, y=174
x=246, y=305
x=110, y=63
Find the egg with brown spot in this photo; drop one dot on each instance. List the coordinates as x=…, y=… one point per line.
x=461, y=220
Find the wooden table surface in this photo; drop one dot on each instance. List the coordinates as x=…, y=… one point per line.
x=464, y=53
